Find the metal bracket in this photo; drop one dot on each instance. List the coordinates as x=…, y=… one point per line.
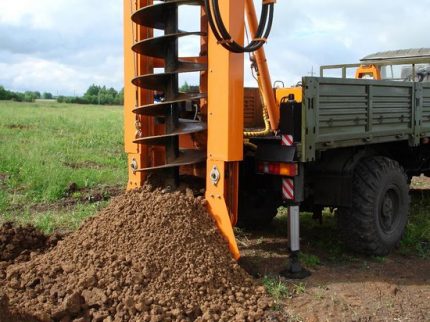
x=215, y=175
x=134, y=166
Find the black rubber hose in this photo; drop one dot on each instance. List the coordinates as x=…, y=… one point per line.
x=214, y=28
x=225, y=39
x=223, y=30
x=210, y=20
x=254, y=45
x=258, y=44
x=270, y=22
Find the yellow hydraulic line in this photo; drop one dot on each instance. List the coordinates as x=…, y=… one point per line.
x=265, y=81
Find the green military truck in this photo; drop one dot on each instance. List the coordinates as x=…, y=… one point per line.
x=349, y=144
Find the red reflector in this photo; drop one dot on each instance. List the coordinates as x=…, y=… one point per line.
x=278, y=168
x=274, y=168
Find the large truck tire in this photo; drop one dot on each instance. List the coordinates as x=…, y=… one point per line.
x=376, y=221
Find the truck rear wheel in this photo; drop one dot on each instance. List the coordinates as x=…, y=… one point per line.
x=380, y=205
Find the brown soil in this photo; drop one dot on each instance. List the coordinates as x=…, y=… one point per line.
x=18, y=126
x=343, y=286
x=149, y=256
x=396, y=290
x=7, y=316
x=3, y=177
x=16, y=243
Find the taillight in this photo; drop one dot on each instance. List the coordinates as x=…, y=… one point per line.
x=278, y=168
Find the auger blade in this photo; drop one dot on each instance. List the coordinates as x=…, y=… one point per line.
x=186, y=157
x=163, y=108
x=161, y=81
x=157, y=46
x=154, y=16
x=164, y=16
x=183, y=127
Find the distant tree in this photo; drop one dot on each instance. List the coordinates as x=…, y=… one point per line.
x=28, y=96
x=61, y=99
x=4, y=94
x=120, y=97
x=18, y=97
x=47, y=96
x=93, y=90
x=31, y=96
x=185, y=87
x=96, y=95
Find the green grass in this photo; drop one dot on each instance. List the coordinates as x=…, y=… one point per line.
x=309, y=260
x=280, y=289
x=44, y=147
x=416, y=239
x=50, y=221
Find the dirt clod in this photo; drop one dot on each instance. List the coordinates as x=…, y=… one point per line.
x=149, y=256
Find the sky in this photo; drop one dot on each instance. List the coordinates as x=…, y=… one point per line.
x=64, y=46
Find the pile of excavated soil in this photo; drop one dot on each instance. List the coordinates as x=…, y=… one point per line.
x=18, y=244
x=18, y=241
x=149, y=256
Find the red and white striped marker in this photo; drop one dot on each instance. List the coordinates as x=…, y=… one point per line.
x=287, y=140
x=288, y=188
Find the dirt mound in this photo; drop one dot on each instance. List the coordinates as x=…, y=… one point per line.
x=20, y=241
x=149, y=256
x=18, y=244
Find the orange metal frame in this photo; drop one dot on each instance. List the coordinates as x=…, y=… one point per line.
x=223, y=108
x=134, y=96
x=225, y=123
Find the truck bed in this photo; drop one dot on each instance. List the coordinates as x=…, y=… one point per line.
x=351, y=112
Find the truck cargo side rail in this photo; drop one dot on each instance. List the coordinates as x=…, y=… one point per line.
x=350, y=112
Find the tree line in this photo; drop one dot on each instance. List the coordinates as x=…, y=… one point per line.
x=98, y=95
x=27, y=96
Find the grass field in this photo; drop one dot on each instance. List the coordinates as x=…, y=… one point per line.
x=54, y=156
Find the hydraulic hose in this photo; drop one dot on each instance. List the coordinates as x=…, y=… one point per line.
x=267, y=130
x=225, y=39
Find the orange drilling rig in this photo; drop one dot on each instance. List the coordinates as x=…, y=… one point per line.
x=167, y=138
x=319, y=140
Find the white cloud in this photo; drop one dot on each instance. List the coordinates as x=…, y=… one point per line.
x=67, y=45
x=27, y=73
x=36, y=14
